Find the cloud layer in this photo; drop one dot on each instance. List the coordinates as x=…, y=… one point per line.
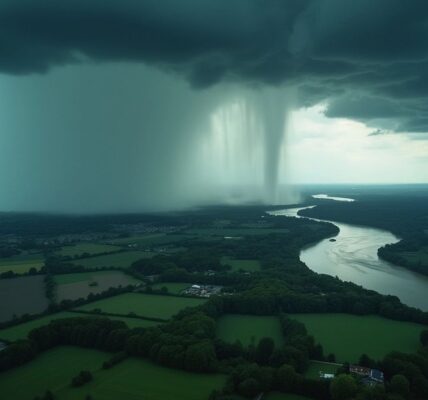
x=370, y=59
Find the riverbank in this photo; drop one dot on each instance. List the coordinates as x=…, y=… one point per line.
x=353, y=257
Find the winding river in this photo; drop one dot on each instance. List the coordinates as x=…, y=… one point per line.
x=353, y=257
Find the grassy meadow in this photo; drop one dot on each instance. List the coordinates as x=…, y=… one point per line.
x=24, y=295
x=152, y=239
x=21, y=331
x=136, y=379
x=241, y=265
x=133, y=379
x=117, y=260
x=51, y=370
x=86, y=248
x=80, y=285
x=233, y=232
x=249, y=329
x=349, y=336
x=147, y=305
x=21, y=263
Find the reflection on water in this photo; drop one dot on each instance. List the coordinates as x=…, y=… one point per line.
x=327, y=197
x=353, y=257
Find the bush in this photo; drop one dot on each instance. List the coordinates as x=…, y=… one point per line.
x=343, y=387
x=81, y=379
x=424, y=338
x=116, y=359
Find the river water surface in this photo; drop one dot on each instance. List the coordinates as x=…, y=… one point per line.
x=353, y=257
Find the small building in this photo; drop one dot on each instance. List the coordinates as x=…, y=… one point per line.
x=377, y=376
x=326, y=376
x=370, y=376
x=358, y=370
x=203, y=290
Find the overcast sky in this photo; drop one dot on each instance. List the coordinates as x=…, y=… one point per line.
x=119, y=106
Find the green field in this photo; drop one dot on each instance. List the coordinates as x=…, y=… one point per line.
x=232, y=232
x=150, y=239
x=22, y=330
x=65, y=279
x=88, y=248
x=136, y=379
x=244, y=265
x=316, y=367
x=117, y=260
x=349, y=336
x=23, y=295
x=51, y=370
x=21, y=263
x=284, y=396
x=249, y=329
x=80, y=285
x=152, y=306
x=133, y=379
x=173, y=287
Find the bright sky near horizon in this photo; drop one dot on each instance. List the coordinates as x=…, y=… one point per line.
x=337, y=150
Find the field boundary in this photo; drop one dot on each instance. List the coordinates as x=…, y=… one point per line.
x=107, y=314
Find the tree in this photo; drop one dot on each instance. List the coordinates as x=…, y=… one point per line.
x=81, y=379
x=286, y=378
x=200, y=357
x=48, y=395
x=249, y=387
x=400, y=385
x=343, y=387
x=264, y=350
x=366, y=361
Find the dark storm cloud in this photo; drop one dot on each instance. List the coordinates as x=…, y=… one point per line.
x=368, y=59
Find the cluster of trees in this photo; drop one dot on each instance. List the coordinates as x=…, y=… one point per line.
x=88, y=255
x=410, y=369
x=50, y=288
x=8, y=251
x=99, y=333
x=36, y=224
x=12, y=274
x=47, y=396
x=300, y=347
x=188, y=342
x=400, y=213
x=115, y=359
x=250, y=379
x=184, y=343
x=273, y=296
x=394, y=253
x=296, y=353
x=187, y=262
